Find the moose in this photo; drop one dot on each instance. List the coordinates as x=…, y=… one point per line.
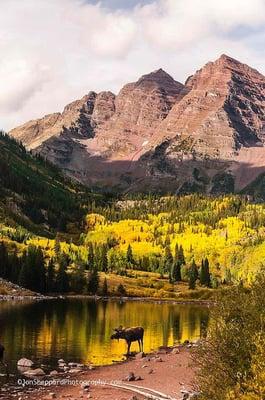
x=130, y=335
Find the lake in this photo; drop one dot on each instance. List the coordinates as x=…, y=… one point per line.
x=79, y=330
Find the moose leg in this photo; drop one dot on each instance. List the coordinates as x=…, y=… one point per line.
x=142, y=343
x=139, y=343
x=128, y=349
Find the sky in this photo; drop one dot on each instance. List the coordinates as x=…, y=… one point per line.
x=120, y=4
x=56, y=51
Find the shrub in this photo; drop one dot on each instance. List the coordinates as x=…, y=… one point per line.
x=253, y=388
x=121, y=291
x=230, y=359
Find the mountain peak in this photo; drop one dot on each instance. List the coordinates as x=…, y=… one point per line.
x=225, y=62
x=158, y=76
x=218, y=115
x=228, y=61
x=160, y=79
x=225, y=57
x=159, y=72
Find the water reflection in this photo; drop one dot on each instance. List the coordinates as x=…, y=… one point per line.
x=80, y=329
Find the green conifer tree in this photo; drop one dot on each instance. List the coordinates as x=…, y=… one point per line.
x=168, y=260
x=50, y=281
x=205, y=277
x=105, y=290
x=129, y=255
x=176, y=272
x=93, y=282
x=90, y=257
x=62, y=279
x=193, y=275
x=23, y=275
x=181, y=257
x=3, y=261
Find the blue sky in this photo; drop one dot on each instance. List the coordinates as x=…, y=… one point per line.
x=120, y=4
x=55, y=51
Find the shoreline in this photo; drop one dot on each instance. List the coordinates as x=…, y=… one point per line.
x=39, y=297
x=168, y=370
x=9, y=297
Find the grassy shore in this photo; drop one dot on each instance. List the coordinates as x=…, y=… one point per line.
x=137, y=285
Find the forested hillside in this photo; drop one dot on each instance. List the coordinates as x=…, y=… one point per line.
x=228, y=231
x=171, y=247
x=35, y=194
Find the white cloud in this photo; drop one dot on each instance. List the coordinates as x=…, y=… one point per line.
x=54, y=51
x=19, y=82
x=181, y=23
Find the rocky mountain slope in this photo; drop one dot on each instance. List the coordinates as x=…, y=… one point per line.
x=157, y=134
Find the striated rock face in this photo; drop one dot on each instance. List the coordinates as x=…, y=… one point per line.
x=160, y=135
x=139, y=109
x=98, y=138
x=144, y=104
x=80, y=118
x=223, y=111
x=207, y=136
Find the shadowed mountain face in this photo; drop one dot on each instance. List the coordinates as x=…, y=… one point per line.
x=159, y=135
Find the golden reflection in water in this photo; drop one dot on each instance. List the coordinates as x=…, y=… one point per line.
x=80, y=329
